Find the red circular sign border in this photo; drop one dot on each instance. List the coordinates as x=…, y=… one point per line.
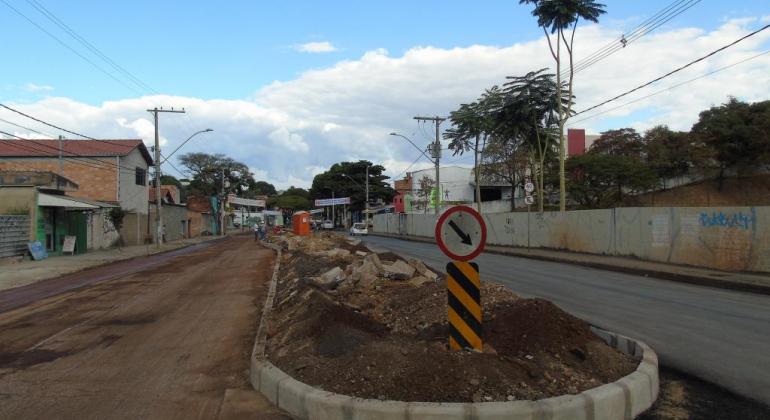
x=440, y=242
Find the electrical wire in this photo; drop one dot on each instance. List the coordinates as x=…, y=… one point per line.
x=29, y=148
x=675, y=70
x=67, y=46
x=673, y=10
x=571, y=123
x=66, y=28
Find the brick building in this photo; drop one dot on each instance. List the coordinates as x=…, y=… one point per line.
x=111, y=171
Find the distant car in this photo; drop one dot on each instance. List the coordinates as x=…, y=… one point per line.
x=328, y=224
x=359, y=229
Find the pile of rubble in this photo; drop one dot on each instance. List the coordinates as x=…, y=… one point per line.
x=373, y=325
x=356, y=267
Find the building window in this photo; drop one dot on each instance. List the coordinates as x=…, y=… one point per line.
x=141, y=176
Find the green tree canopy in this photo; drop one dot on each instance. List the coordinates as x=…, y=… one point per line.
x=621, y=142
x=262, y=188
x=208, y=171
x=738, y=133
x=348, y=179
x=293, y=198
x=601, y=180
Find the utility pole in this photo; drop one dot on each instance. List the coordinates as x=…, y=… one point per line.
x=367, y=197
x=61, y=153
x=222, y=207
x=436, y=154
x=158, y=216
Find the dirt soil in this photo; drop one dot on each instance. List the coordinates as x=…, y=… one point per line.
x=388, y=340
x=171, y=341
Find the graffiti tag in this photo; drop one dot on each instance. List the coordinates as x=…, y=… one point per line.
x=737, y=220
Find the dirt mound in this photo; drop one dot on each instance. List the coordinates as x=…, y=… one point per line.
x=387, y=339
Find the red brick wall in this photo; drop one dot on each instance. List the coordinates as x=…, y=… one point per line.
x=94, y=183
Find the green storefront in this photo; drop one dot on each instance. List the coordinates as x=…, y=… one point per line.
x=59, y=217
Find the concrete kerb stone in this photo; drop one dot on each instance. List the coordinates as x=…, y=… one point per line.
x=624, y=399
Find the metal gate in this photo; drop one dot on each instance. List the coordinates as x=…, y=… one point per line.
x=14, y=235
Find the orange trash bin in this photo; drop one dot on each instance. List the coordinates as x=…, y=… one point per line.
x=300, y=223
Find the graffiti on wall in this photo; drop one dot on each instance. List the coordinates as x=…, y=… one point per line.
x=735, y=220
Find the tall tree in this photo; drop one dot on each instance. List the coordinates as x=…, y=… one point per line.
x=739, y=135
x=262, y=188
x=673, y=154
x=558, y=16
x=621, y=142
x=601, y=180
x=348, y=179
x=211, y=171
x=293, y=198
x=531, y=112
x=470, y=123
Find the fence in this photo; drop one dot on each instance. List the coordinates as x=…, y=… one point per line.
x=724, y=238
x=14, y=235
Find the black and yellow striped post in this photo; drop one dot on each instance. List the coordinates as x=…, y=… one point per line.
x=464, y=295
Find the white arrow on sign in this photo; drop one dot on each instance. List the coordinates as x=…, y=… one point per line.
x=461, y=233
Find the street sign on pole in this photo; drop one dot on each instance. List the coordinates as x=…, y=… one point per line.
x=529, y=187
x=461, y=233
x=529, y=200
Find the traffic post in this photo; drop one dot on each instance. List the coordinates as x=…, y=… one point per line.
x=461, y=234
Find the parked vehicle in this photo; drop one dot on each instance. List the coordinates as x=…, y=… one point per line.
x=328, y=224
x=359, y=229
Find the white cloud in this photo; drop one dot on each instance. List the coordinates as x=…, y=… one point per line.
x=291, y=130
x=316, y=47
x=33, y=88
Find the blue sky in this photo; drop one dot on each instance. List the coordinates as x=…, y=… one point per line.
x=238, y=68
x=230, y=49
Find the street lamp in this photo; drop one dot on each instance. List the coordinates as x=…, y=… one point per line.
x=415, y=146
x=435, y=161
x=366, y=205
x=184, y=142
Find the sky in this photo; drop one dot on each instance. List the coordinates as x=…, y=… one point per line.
x=292, y=87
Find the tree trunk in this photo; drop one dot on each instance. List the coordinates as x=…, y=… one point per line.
x=476, y=173
x=562, y=182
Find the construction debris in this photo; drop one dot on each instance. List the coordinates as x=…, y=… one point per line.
x=374, y=326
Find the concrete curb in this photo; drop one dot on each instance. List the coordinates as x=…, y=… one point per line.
x=665, y=275
x=623, y=399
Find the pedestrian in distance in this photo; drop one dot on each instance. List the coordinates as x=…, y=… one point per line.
x=256, y=231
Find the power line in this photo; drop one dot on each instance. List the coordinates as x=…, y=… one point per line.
x=66, y=28
x=408, y=167
x=673, y=10
x=64, y=44
x=28, y=147
x=27, y=128
x=675, y=70
x=670, y=87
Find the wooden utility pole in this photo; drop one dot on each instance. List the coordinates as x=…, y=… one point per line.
x=436, y=155
x=158, y=216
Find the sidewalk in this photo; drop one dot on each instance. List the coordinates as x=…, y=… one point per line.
x=15, y=274
x=746, y=282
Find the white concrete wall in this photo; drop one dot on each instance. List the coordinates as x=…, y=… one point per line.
x=133, y=197
x=725, y=238
x=100, y=231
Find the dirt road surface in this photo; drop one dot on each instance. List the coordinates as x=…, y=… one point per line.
x=169, y=342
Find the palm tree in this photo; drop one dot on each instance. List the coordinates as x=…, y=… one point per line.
x=532, y=109
x=470, y=124
x=558, y=16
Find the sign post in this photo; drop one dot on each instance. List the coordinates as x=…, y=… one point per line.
x=461, y=234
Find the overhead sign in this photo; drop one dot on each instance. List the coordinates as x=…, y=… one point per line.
x=461, y=233
x=332, y=202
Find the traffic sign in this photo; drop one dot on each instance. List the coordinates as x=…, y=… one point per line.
x=529, y=187
x=461, y=233
x=529, y=200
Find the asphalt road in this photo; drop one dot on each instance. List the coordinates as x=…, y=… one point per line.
x=717, y=335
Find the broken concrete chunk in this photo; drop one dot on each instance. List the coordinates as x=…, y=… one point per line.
x=398, y=270
x=354, y=242
x=361, y=253
x=329, y=279
x=422, y=269
x=374, y=259
x=419, y=281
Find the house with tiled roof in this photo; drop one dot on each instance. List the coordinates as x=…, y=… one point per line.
x=111, y=171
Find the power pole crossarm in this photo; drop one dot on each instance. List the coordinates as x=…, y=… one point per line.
x=158, y=207
x=436, y=156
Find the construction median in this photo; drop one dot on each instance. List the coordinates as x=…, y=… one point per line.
x=351, y=333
